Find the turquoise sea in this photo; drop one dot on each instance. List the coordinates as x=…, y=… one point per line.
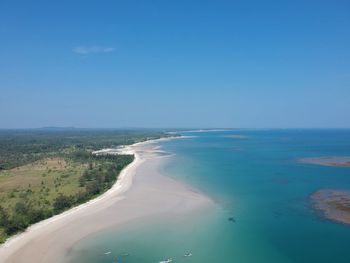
x=255, y=178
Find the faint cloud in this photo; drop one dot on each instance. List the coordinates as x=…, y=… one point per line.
x=85, y=50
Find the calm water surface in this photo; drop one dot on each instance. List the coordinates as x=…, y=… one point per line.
x=254, y=178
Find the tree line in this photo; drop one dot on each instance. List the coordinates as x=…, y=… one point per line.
x=20, y=147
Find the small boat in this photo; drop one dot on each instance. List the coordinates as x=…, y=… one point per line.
x=166, y=261
x=188, y=254
x=232, y=219
x=107, y=253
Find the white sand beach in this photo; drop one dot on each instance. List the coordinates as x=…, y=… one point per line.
x=141, y=191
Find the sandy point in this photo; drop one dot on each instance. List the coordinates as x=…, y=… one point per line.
x=142, y=190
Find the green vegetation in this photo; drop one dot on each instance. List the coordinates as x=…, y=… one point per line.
x=19, y=147
x=46, y=172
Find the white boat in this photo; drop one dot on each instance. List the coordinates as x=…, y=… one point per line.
x=166, y=261
x=188, y=254
x=108, y=252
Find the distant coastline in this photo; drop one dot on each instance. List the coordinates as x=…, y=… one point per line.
x=201, y=130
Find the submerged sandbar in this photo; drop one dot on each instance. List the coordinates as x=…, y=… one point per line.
x=236, y=136
x=333, y=204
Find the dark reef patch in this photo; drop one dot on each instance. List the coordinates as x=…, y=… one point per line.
x=333, y=204
x=340, y=161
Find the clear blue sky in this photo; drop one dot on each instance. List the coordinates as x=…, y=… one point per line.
x=175, y=63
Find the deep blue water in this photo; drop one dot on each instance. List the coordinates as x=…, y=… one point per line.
x=257, y=180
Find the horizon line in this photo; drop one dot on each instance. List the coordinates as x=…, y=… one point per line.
x=170, y=128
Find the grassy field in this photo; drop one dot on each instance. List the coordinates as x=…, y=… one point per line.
x=40, y=182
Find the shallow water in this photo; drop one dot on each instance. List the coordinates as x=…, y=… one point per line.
x=254, y=177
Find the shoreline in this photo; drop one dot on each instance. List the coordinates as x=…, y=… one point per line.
x=24, y=246
x=116, y=186
x=125, y=149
